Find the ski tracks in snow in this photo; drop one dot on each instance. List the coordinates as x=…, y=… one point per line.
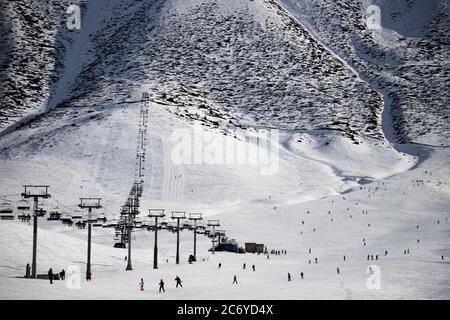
x=171, y=183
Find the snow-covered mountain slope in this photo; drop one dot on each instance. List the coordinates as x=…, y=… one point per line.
x=407, y=59
x=225, y=63
x=343, y=192
x=228, y=65
x=32, y=38
x=233, y=63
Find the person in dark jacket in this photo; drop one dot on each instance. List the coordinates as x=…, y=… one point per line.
x=50, y=275
x=178, y=281
x=62, y=274
x=27, y=271
x=89, y=276
x=289, y=276
x=161, y=286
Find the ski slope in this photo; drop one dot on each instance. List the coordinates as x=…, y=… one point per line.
x=336, y=180
x=319, y=171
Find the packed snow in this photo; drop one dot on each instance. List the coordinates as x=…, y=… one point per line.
x=337, y=187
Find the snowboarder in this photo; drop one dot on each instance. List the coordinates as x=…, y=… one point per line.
x=178, y=281
x=235, y=281
x=253, y=267
x=301, y=275
x=89, y=276
x=161, y=286
x=62, y=274
x=50, y=275
x=289, y=276
x=141, y=284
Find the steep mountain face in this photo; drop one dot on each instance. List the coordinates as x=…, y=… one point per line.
x=407, y=59
x=237, y=63
x=29, y=55
x=225, y=63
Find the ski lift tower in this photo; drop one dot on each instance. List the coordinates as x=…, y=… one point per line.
x=195, y=217
x=35, y=192
x=220, y=234
x=156, y=213
x=213, y=224
x=126, y=213
x=178, y=215
x=89, y=203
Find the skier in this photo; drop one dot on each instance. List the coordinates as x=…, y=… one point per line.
x=337, y=270
x=289, y=276
x=253, y=267
x=235, y=280
x=309, y=250
x=62, y=274
x=50, y=275
x=89, y=276
x=344, y=258
x=315, y=260
x=178, y=280
x=301, y=275
x=376, y=257
x=268, y=257
x=27, y=271
x=161, y=286
x=442, y=257
x=141, y=284
x=220, y=265
x=244, y=266
x=385, y=253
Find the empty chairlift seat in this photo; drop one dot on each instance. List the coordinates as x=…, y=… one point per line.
x=6, y=212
